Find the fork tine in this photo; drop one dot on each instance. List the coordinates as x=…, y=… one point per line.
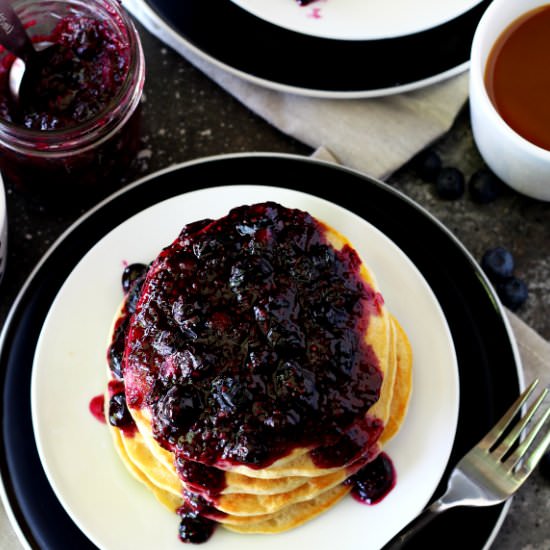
x=511, y=438
x=493, y=436
x=534, y=457
x=531, y=462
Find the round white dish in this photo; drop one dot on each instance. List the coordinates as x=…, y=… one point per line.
x=357, y=19
x=303, y=64
x=109, y=506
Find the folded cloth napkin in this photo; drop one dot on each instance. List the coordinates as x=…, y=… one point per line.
x=375, y=135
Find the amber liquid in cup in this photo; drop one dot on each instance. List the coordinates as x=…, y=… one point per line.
x=517, y=76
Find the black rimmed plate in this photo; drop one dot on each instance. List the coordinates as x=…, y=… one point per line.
x=486, y=356
x=255, y=49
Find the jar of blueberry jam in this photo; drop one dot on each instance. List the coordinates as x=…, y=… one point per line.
x=77, y=124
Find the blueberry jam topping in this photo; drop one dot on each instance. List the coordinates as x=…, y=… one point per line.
x=132, y=280
x=118, y=415
x=73, y=81
x=374, y=481
x=200, y=478
x=195, y=526
x=133, y=275
x=248, y=342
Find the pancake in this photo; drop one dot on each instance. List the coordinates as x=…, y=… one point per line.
x=275, y=494
x=138, y=461
x=294, y=515
x=166, y=498
x=285, y=511
x=403, y=387
x=213, y=426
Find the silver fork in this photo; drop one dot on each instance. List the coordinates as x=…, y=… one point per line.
x=494, y=469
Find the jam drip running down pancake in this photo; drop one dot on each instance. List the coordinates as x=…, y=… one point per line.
x=252, y=370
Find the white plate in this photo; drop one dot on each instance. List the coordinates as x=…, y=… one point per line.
x=357, y=19
x=113, y=509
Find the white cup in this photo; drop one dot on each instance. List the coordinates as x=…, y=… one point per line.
x=515, y=160
x=3, y=230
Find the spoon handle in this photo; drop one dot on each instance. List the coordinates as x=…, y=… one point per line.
x=13, y=35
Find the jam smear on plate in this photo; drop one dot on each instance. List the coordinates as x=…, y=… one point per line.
x=97, y=408
x=374, y=481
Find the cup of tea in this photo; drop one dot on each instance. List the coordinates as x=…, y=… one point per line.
x=510, y=91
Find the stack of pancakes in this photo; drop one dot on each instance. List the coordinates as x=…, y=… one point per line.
x=294, y=488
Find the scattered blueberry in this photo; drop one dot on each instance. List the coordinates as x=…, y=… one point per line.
x=513, y=292
x=498, y=263
x=544, y=465
x=450, y=183
x=427, y=165
x=484, y=186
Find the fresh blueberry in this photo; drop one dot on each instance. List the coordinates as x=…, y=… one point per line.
x=175, y=411
x=450, y=183
x=484, y=186
x=498, y=263
x=427, y=165
x=513, y=292
x=130, y=274
x=544, y=465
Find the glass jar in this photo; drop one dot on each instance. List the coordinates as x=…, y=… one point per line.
x=75, y=150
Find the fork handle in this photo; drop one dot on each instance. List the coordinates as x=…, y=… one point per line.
x=411, y=529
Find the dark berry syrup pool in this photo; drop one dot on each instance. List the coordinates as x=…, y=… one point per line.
x=374, y=481
x=74, y=79
x=245, y=341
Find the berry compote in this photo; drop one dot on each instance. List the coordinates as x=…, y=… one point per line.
x=75, y=124
x=75, y=79
x=248, y=342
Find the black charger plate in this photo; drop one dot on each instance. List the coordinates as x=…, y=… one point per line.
x=488, y=369
x=279, y=58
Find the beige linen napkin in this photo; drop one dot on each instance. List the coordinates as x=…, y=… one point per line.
x=376, y=135
x=8, y=539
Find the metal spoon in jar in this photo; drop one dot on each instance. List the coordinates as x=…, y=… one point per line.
x=15, y=39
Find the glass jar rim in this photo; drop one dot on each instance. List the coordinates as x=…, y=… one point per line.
x=81, y=137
